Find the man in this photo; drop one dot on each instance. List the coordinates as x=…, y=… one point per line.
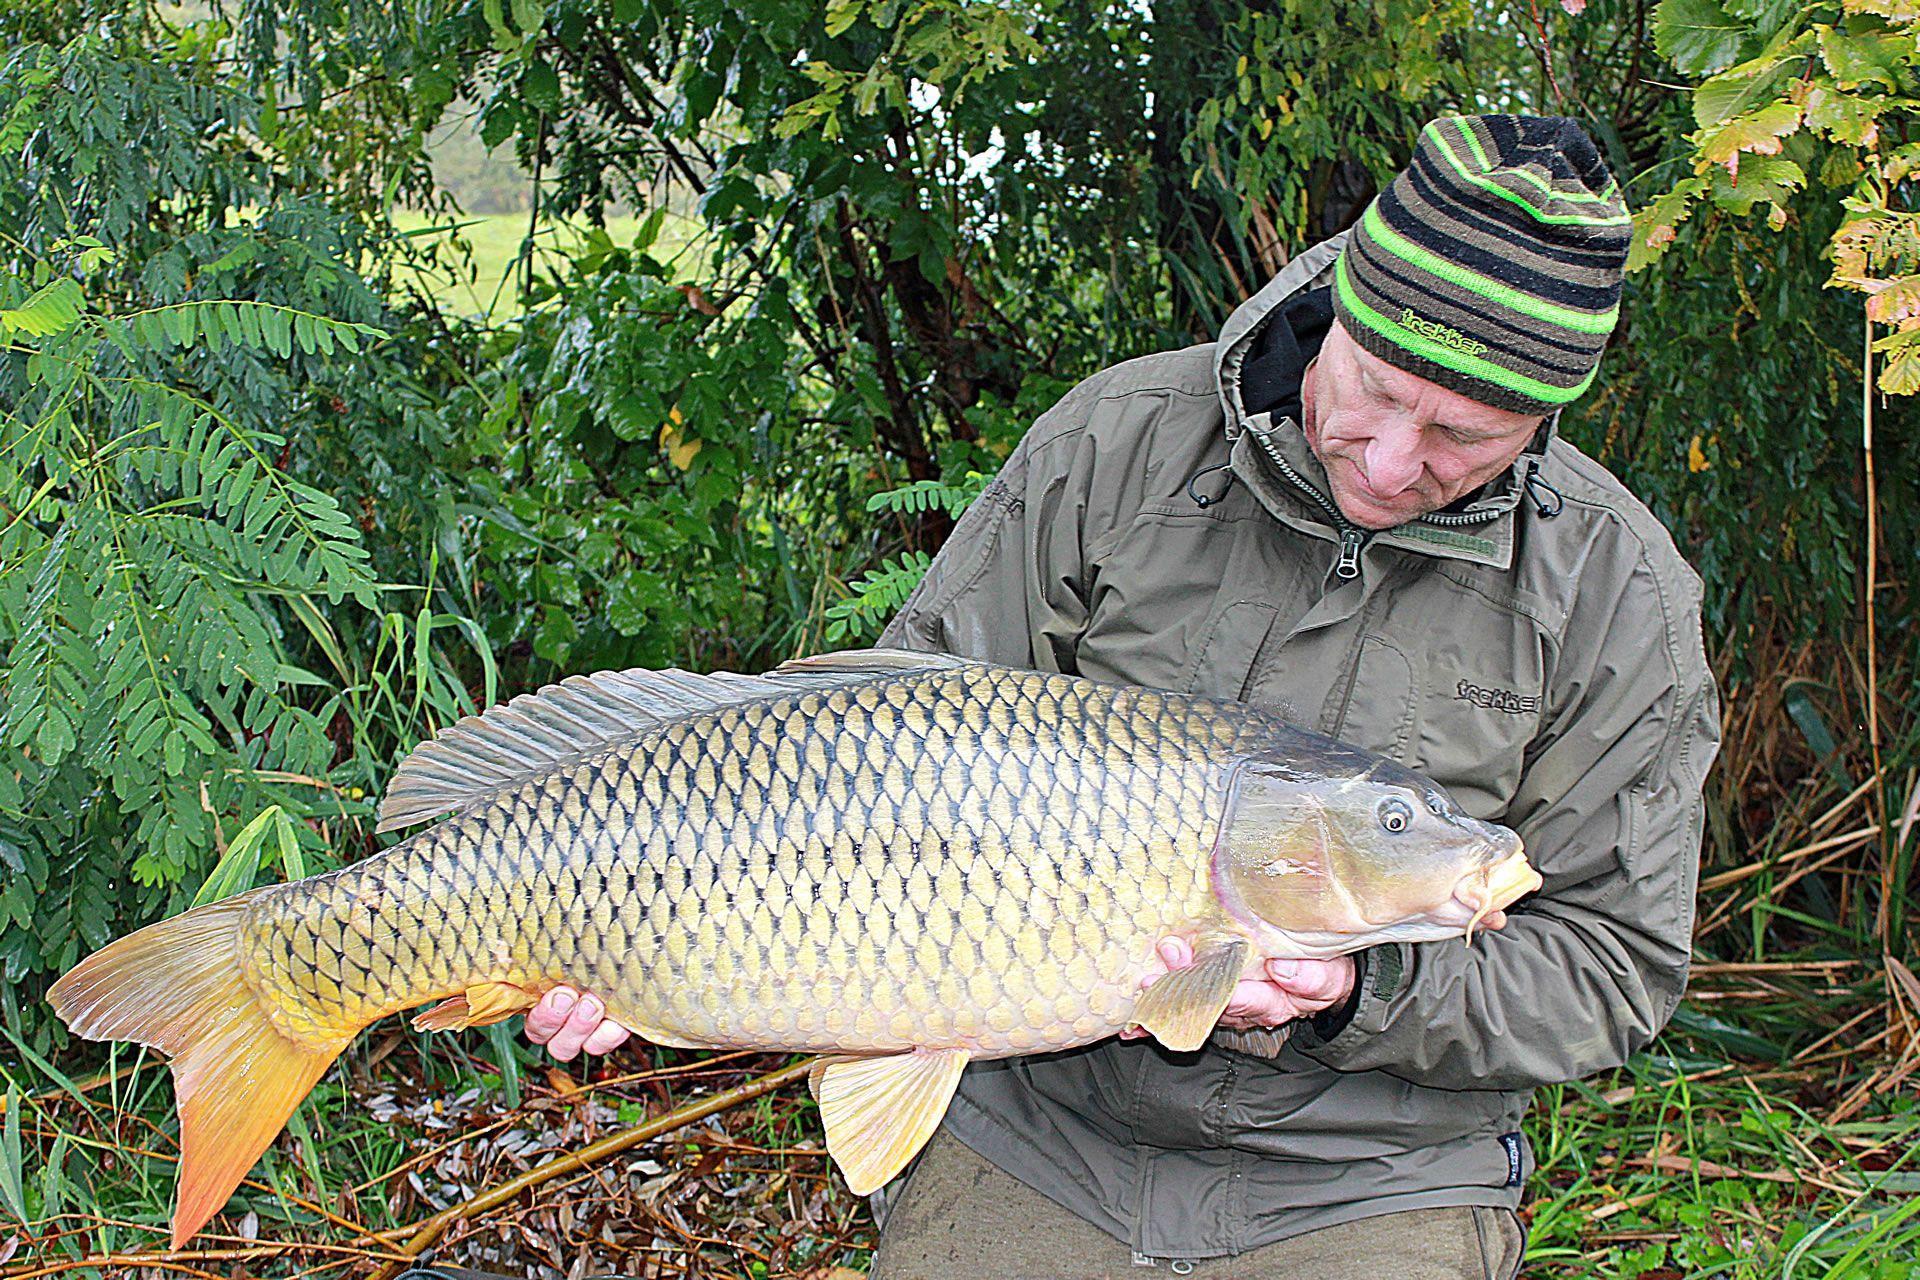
x=1353, y=509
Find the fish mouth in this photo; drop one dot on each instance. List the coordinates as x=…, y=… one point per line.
x=1495, y=887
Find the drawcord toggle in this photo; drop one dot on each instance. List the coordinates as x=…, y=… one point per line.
x=1203, y=500
x=1540, y=491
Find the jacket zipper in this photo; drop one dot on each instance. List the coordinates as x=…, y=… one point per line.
x=1352, y=536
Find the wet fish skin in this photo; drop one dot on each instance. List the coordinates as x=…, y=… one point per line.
x=910, y=862
x=981, y=858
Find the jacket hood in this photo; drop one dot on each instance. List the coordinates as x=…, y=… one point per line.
x=1261, y=353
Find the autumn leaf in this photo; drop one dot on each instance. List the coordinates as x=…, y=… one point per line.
x=1758, y=132
x=1894, y=10
x=1844, y=117
x=1900, y=376
x=1654, y=224
x=1892, y=301
x=1696, y=457
x=680, y=451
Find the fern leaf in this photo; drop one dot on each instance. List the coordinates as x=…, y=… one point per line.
x=49, y=310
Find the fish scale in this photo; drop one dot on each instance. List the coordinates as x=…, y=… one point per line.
x=903, y=862
x=906, y=819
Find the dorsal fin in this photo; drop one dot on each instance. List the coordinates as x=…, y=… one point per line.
x=479, y=756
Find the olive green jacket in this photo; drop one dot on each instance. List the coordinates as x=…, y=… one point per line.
x=1546, y=668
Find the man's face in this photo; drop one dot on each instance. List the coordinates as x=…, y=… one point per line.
x=1396, y=446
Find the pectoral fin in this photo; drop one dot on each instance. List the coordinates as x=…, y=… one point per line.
x=478, y=1006
x=1265, y=1043
x=1182, y=1008
x=880, y=1111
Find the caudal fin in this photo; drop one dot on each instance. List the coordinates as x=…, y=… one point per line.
x=177, y=986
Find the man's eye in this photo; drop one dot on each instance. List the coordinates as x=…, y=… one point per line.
x=1395, y=815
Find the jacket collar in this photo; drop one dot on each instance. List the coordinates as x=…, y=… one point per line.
x=1272, y=458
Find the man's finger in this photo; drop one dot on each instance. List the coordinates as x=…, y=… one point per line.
x=582, y=1022
x=1312, y=981
x=607, y=1037
x=550, y=1014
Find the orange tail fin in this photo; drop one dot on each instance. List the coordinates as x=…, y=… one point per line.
x=177, y=986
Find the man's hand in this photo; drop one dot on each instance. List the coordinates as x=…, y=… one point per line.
x=569, y=1022
x=1289, y=989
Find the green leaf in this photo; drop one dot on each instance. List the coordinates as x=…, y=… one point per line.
x=12, y=1185
x=1759, y=180
x=1864, y=59
x=842, y=14
x=1697, y=36
x=51, y=309
x=504, y=38
x=541, y=84
x=1737, y=89
x=239, y=866
x=291, y=858
x=1654, y=224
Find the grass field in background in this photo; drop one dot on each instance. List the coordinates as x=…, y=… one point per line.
x=495, y=242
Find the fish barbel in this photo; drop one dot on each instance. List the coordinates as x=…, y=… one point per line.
x=903, y=861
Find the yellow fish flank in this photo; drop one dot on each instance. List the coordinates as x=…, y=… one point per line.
x=904, y=861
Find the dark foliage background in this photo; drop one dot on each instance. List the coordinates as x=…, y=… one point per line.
x=272, y=509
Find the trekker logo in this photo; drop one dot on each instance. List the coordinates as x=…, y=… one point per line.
x=1514, y=704
x=1441, y=334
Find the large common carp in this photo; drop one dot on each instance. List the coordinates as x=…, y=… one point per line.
x=905, y=861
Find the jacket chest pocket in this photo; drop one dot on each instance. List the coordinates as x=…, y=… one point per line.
x=1481, y=703
x=1377, y=708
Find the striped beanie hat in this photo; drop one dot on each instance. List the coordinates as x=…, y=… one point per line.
x=1491, y=264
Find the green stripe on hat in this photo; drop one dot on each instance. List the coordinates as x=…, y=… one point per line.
x=1445, y=148
x=1525, y=303
x=1449, y=358
x=1606, y=196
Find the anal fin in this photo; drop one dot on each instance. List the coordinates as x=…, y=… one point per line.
x=480, y=1005
x=1182, y=1008
x=879, y=1111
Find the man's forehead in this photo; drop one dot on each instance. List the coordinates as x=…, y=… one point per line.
x=1451, y=405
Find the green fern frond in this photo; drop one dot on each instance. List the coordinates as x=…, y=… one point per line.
x=928, y=495
x=877, y=596
x=53, y=308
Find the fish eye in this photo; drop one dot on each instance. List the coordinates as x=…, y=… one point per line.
x=1395, y=815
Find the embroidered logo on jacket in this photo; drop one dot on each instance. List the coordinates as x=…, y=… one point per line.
x=1514, y=704
x=1441, y=334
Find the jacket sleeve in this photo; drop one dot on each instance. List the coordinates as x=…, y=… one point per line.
x=1610, y=809
x=1010, y=584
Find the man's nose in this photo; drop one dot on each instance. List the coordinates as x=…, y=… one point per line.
x=1393, y=460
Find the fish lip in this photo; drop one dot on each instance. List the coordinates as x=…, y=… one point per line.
x=1498, y=884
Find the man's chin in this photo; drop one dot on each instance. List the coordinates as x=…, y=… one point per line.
x=1372, y=514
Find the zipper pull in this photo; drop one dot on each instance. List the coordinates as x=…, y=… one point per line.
x=1348, y=567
